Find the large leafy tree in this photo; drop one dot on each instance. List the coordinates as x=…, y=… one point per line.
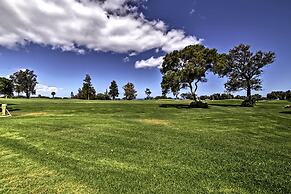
x=113, y=90
x=243, y=69
x=187, y=68
x=171, y=82
x=6, y=87
x=87, y=91
x=129, y=91
x=25, y=81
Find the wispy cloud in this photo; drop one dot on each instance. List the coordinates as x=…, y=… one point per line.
x=192, y=11
x=126, y=59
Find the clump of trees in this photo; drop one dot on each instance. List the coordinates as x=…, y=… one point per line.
x=279, y=95
x=88, y=92
x=24, y=81
x=188, y=67
x=21, y=81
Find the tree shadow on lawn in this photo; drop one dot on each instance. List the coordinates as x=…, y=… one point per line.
x=179, y=106
x=286, y=112
x=11, y=109
x=14, y=109
x=186, y=106
x=226, y=105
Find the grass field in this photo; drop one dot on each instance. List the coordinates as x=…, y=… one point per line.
x=72, y=146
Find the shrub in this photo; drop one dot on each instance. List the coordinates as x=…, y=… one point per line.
x=198, y=104
x=204, y=97
x=149, y=98
x=162, y=98
x=248, y=103
x=100, y=96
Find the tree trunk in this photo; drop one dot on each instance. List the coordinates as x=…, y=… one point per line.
x=196, y=87
x=193, y=93
x=27, y=95
x=249, y=92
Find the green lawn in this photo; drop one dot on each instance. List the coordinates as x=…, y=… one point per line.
x=72, y=146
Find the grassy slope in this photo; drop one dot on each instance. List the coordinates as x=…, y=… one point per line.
x=54, y=146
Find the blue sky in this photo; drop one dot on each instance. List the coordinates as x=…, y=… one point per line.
x=61, y=50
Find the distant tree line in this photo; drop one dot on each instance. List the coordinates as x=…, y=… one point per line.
x=279, y=95
x=88, y=92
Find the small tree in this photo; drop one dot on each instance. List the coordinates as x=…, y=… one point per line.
x=87, y=92
x=53, y=94
x=148, y=92
x=113, y=90
x=182, y=69
x=288, y=95
x=6, y=87
x=25, y=81
x=244, y=68
x=129, y=91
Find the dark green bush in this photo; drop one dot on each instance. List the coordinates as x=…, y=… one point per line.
x=249, y=103
x=198, y=104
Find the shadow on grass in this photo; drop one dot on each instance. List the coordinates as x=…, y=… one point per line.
x=226, y=105
x=179, y=106
x=14, y=109
x=286, y=112
x=11, y=109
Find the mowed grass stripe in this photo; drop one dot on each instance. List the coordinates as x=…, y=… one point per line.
x=74, y=146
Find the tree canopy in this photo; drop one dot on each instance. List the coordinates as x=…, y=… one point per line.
x=129, y=91
x=53, y=94
x=244, y=68
x=113, y=90
x=148, y=92
x=6, y=87
x=87, y=91
x=25, y=81
x=182, y=69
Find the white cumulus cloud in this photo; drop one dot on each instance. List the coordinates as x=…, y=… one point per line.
x=149, y=63
x=45, y=90
x=78, y=25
